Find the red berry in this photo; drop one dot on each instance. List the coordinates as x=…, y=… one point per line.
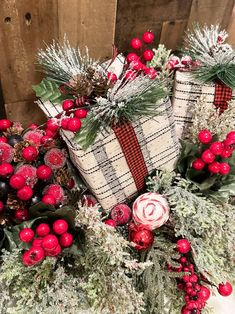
x=111, y=77
x=214, y=167
x=22, y=214
x=54, y=252
x=186, y=278
x=204, y=293
x=37, y=242
x=66, y=239
x=44, y=172
x=60, y=226
x=37, y=254
x=198, y=164
x=225, y=289
x=27, y=260
x=121, y=214
x=228, y=143
x=45, y=139
x=71, y=183
x=194, y=278
x=224, y=168
x=52, y=125
x=231, y=135
x=42, y=230
x=64, y=123
x=205, y=136
x=6, y=170
x=33, y=126
x=207, y=156
x=148, y=37
x=136, y=43
x=216, y=148
x=68, y=104
x=151, y=73
x=226, y=152
x=74, y=124
x=80, y=113
x=48, y=199
x=50, y=242
x=26, y=235
x=132, y=57
x=5, y=124
x=136, y=65
x=148, y=55
x=17, y=181
x=183, y=246
x=111, y=223
x=130, y=75
x=49, y=133
x=55, y=158
x=183, y=260
x=25, y=193
x=1, y=206
x=30, y=153
x=3, y=139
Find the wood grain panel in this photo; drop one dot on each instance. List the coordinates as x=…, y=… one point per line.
x=24, y=25
x=172, y=33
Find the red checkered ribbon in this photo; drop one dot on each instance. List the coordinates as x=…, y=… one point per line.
x=132, y=152
x=223, y=94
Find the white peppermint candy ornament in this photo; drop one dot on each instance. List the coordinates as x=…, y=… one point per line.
x=151, y=209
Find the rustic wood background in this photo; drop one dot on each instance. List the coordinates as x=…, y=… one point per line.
x=26, y=24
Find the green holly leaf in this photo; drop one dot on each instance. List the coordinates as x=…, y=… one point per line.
x=48, y=90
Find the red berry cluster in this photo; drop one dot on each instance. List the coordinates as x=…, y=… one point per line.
x=214, y=153
x=45, y=243
x=27, y=174
x=138, y=62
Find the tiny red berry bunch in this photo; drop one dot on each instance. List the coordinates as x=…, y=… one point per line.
x=46, y=241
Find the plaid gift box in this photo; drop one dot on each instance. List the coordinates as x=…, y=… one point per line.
x=116, y=165
x=187, y=91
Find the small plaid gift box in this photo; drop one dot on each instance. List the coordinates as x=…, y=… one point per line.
x=187, y=91
x=116, y=165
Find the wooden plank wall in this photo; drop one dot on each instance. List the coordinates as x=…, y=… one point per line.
x=25, y=24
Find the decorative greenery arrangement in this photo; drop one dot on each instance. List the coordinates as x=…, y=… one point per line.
x=216, y=58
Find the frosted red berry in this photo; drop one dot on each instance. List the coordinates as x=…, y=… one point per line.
x=216, y=148
x=6, y=153
x=26, y=235
x=224, y=168
x=42, y=230
x=207, y=156
x=46, y=139
x=55, y=158
x=25, y=193
x=204, y=293
x=80, y=113
x=48, y=199
x=4, y=124
x=6, y=170
x=17, y=181
x=3, y=139
x=151, y=73
x=29, y=173
x=60, y=226
x=183, y=246
x=225, y=289
x=136, y=43
x=66, y=239
x=74, y=124
x=68, y=104
x=52, y=125
x=111, y=223
x=34, y=137
x=132, y=57
x=21, y=214
x=214, y=167
x=198, y=164
x=136, y=65
x=121, y=214
x=56, y=191
x=205, y=136
x=111, y=77
x=30, y=153
x=44, y=172
x=148, y=55
x=50, y=242
x=148, y=37
x=33, y=126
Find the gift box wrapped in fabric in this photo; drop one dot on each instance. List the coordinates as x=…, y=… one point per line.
x=207, y=71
